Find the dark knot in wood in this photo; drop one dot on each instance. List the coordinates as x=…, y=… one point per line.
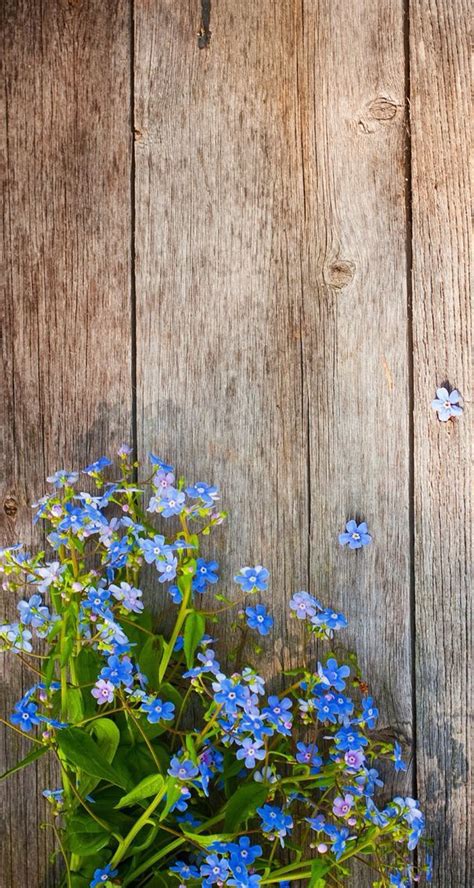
x=10, y=506
x=339, y=273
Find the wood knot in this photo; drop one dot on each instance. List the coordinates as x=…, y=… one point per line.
x=383, y=108
x=10, y=506
x=339, y=273
x=378, y=112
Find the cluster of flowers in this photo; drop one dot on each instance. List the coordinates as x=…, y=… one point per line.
x=297, y=766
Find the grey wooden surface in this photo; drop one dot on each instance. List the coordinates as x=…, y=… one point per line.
x=253, y=258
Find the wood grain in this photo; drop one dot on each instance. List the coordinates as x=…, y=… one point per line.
x=271, y=293
x=66, y=391
x=439, y=61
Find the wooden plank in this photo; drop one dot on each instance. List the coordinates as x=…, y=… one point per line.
x=439, y=63
x=66, y=349
x=271, y=282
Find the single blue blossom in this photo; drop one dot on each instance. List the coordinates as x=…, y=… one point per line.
x=400, y=765
x=257, y=618
x=251, y=751
x=204, y=492
x=102, y=875
x=251, y=579
x=97, y=466
x=447, y=404
x=355, y=536
x=62, y=478
x=183, y=770
x=158, y=711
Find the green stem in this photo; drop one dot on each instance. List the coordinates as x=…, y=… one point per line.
x=127, y=841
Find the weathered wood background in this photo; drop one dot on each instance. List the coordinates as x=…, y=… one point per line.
x=252, y=257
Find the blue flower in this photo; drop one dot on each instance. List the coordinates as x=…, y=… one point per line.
x=339, y=837
x=326, y=708
x=349, y=738
x=356, y=535
x=62, y=478
x=185, y=870
x=206, y=572
x=118, y=671
x=97, y=466
x=128, y=596
x=332, y=675
x=155, y=461
x=251, y=751
x=167, y=568
x=369, y=713
x=169, y=502
x=244, y=851
x=230, y=695
x=158, y=711
x=154, y=549
x=73, y=518
x=257, y=618
x=317, y=823
x=33, y=612
x=98, y=601
x=101, y=876
x=329, y=619
x=214, y=869
x=447, y=404
x=24, y=715
x=175, y=594
x=307, y=754
x=204, y=492
x=274, y=821
x=304, y=605
x=253, y=578
x=400, y=765
x=49, y=574
x=184, y=770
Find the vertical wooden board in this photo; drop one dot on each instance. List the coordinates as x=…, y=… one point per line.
x=439, y=63
x=355, y=346
x=66, y=345
x=218, y=229
x=271, y=298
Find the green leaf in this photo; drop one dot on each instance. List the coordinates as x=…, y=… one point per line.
x=194, y=629
x=318, y=870
x=28, y=760
x=243, y=803
x=74, y=705
x=84, y=836
x=81, y=752
x=173, y=793
x=149, y=786
x=107, y=737
x=149, y=658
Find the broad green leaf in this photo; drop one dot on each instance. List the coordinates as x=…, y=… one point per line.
x=194, y=629
x=243, y=803
x=149, y=786
x=85, y=836
x=107, y=736
x=81, y=752
x=28, y=760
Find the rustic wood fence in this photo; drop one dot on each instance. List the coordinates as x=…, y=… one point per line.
x=247, y=249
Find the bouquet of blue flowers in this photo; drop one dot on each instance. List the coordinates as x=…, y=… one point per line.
x=176, y=768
